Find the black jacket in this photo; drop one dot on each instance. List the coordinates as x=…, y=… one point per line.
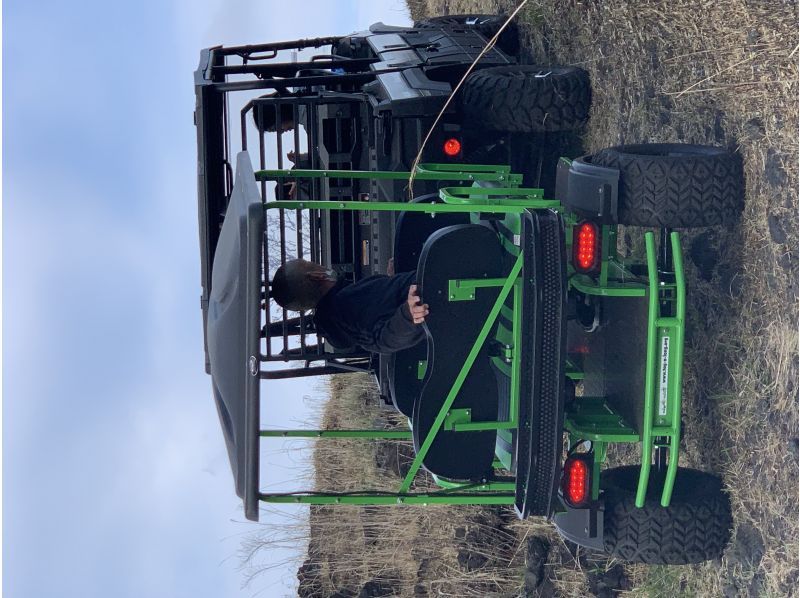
x=371, y=313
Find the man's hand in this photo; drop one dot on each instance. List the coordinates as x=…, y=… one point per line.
x=290, y=190
x=417, y=310
x=295, y=158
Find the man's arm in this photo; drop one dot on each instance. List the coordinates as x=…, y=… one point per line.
x=403, y=329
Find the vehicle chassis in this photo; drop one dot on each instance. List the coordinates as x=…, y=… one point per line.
x=590, y=422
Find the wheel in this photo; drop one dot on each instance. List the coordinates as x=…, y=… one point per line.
x=676, y=185
x=528, y=98
x=694, y=528
x=486, y=25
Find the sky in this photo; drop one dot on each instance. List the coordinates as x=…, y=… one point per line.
x=116, y=482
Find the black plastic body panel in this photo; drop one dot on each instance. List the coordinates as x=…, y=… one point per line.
x=211, y=176
x=588, y=190
x=583, y=527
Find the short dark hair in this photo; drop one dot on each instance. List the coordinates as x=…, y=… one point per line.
x=265, y=115
x=280, y=290
x=293, y=288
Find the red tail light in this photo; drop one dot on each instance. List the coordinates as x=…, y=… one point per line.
x=576, y=483
x=452, y=147
x=586, y=247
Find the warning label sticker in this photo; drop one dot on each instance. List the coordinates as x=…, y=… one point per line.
x=663, y=379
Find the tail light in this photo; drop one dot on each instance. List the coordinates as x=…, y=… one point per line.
x=452, y=147
x=576, y=482
x=586, y=246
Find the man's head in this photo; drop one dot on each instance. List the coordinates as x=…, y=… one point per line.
x=266, y=117
x=299, y=285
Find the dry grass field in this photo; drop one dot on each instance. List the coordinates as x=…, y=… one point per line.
x=722, y=73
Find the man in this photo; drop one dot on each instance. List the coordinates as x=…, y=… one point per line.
x=379, y=313
x=266, y=116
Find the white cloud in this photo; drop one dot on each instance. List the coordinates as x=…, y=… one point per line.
x=119, y=484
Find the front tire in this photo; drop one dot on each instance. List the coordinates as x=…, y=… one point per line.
x=528, y=98
x=695, y=527
x=675, y=185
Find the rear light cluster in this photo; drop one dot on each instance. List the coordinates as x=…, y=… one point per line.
x=586, y=247
x=452, y=147
x=576, y=483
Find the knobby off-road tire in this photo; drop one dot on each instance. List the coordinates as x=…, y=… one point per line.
x=694, y=528
x=676, y=185
x=528, y=98
x=486, y=25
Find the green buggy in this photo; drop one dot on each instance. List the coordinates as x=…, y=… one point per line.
x=544, y=344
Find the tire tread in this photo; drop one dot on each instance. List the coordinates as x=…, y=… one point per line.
x=512, y=99
x=694, y=528
x=694, y=189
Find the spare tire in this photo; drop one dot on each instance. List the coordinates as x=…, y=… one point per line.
x=675, y=185
x=486, y=25
x=528, y=98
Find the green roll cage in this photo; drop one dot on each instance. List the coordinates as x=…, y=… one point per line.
x=590, y=418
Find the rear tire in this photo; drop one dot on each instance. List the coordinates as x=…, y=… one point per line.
x=528, y=98
x=694, y=528
x=676, y=185
x=486, y=25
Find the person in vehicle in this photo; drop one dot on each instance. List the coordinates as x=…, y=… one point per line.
x=266, y=116
x=380, y=313
x=266, y=120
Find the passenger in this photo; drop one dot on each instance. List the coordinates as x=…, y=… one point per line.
x=266, y=119
x=380, y=313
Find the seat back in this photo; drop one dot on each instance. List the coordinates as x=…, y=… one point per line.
x=458, y=252
x=411, y=232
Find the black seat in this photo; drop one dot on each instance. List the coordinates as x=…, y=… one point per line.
x=411, y=232
x=469, y=251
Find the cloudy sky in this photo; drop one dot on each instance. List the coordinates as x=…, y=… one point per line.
x=115, y=477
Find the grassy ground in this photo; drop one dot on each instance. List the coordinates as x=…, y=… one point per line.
x=722, y=73
x=403, y=551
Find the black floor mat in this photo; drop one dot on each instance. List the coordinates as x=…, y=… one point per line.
x=614, y=356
